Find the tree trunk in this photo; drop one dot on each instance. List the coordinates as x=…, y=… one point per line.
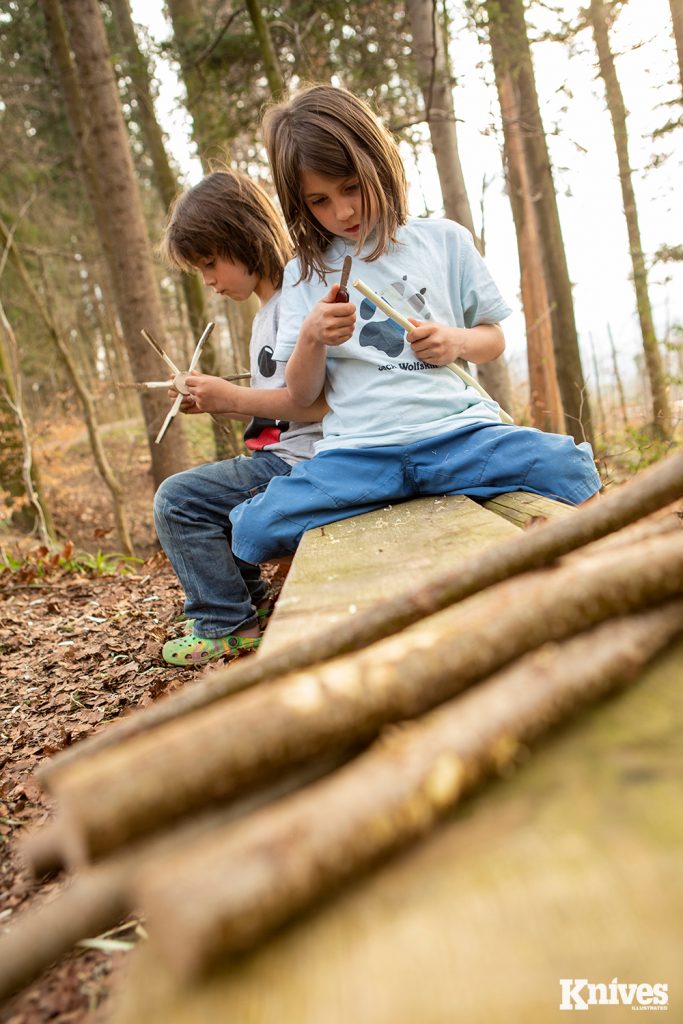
x=433, y=70
x=19, y=475
x=165, y=179
x=677, y=22
x=189, y=30
x=544, y=394
x=270, y=63
x=112, y=184
x=511, y=53
x=661, y=412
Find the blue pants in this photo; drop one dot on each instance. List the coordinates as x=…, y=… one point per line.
x=481, y=461
x=192, y=518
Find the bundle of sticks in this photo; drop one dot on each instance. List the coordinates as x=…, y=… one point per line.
x=227, y=808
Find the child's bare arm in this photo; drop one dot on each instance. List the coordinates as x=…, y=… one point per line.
x=213, y=394
x=328, y=323
x=439, y=344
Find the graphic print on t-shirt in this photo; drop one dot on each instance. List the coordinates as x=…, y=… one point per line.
x=266, y=363
x=385, y=335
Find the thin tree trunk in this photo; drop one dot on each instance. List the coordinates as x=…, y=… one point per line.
x=86, y=399
x=677, y=22
x=661, y=412
x=166, y=182
x=291, y=855
x=13, y=398
x=544, y=393
x=617, y=377
x=435, y=84
x=653, y=488
x=268, y=56
x=148, y=782
x=511, y=53
x=598, y=390
x=165, y=177
x=112, y=186
x=189, y=30
x=432, y=64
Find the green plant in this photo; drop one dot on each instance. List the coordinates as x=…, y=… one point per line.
x=45, y=561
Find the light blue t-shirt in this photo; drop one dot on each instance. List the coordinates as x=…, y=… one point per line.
x=378, y=391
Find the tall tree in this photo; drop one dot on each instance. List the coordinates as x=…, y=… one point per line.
x=102, y=138
x=677, y=21
x=511, y=55
x=165, y=177
x=544, y=395
x=434, y=76
x=601, y=18
x=271, y=66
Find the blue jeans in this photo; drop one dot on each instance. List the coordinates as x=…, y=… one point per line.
x=192, y=519
x=481, y=460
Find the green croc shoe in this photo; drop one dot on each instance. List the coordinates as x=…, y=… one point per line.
x=262, y=614
x=197, y=650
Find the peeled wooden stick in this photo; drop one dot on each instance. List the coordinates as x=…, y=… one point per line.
x=655, y=487
x=157, y=777
x=236, y=886
x=403, y=322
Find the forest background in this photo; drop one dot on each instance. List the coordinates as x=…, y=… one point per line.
x=550, y=130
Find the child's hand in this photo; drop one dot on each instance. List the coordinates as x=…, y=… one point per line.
x=437, y=343
x=209, y=394
x=330, y=322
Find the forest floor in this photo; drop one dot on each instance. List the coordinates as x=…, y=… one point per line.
x=81, y=646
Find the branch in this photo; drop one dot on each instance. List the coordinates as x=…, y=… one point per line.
x=234, y=888
x=653, y=488
x=213, y=754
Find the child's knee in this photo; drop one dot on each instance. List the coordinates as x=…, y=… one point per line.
x=167, y=497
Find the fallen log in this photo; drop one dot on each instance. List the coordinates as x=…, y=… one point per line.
x=233, y=889
x=123, y=792
x=655, y=487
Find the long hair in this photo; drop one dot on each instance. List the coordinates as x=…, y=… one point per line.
x=227, y=215
x=331, y=131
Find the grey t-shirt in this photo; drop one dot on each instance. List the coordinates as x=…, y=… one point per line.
x=292, y=442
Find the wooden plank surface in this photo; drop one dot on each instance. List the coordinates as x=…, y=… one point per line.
x=343, y=568
x=569, y=869
x=521, y=507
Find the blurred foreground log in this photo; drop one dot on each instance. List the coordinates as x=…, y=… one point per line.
x=102, y=896
x=239, y=884
x=655, y=487
x=150, y=780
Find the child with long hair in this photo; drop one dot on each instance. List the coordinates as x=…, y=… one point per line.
x=401, y=422
x=227, y=228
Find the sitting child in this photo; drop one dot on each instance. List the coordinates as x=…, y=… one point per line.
x=401, y=422
x=227, y=228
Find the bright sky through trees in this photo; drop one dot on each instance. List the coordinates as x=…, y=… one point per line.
x=584, y=159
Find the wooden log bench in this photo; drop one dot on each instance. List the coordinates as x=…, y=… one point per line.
x=568, y=869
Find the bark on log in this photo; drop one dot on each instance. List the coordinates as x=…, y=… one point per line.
x=101, y=897
x=212, y=754
x=238, y=886
x=655, y=487
x=94, y=902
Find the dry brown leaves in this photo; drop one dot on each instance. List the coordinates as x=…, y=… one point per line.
x=76, y=651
